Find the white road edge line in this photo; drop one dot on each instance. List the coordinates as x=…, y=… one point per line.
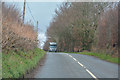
x=83, y=67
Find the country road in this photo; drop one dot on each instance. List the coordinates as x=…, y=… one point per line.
x=63, y=65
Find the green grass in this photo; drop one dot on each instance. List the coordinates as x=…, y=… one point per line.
x=101, y=56
x=0, y=65
x=14, y=65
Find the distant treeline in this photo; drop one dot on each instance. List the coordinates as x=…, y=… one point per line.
x=79, y=26
x=15, y=35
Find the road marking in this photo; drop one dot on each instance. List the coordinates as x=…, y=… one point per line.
x=83, y=67
x=70, y=55
x=91, y=74
x=80, y=64
x=74, y=59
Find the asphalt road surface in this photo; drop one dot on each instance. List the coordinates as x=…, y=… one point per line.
x=63, y=65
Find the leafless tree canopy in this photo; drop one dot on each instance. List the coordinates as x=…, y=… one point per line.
x=85, y=26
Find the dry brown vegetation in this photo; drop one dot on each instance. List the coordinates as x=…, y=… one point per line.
x=14, y=35
x=108, y=31
x=85, y=26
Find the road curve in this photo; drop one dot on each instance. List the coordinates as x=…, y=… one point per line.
x=63, y=65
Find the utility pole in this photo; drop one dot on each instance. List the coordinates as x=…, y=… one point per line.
x=24, y=11
x=37, y=29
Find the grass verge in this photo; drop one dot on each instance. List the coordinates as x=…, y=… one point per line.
x=101, y=56
x=14, y=65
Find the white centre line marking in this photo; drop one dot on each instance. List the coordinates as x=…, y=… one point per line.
x=91, y=74
x=80, y=64
x=70, y=55
x=74, y=59
x=83, y=67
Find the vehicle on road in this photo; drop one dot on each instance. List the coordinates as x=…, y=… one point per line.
x=52, y=46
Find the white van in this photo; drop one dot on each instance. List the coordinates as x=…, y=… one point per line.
x=52, y=47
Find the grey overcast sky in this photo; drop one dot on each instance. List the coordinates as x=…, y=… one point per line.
x=41, y=11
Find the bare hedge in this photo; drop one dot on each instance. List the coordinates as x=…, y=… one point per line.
x=14, y=35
